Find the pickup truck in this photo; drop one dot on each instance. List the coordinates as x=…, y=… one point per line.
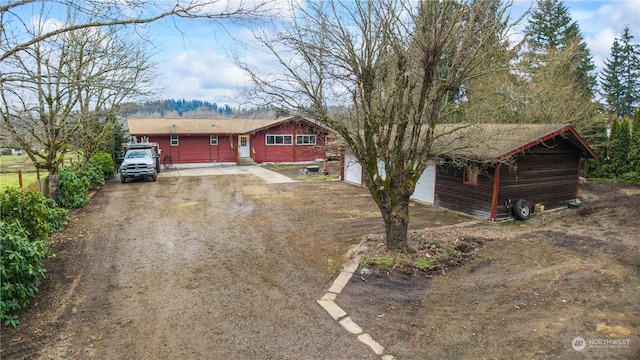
x=138, y=163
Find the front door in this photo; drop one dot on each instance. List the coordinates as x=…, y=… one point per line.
x=243, y=145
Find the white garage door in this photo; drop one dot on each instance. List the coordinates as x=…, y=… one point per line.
x=352, y=170
x=426, y=186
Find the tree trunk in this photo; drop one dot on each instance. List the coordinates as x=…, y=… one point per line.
x=396, y=223
x=54, y=186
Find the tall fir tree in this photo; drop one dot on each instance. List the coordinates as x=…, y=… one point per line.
x=634, y=146
x=620, y=79
x=551, y=30
x=597, y=135
x=619, y=142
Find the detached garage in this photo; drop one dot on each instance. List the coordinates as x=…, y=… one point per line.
x=352, y=169
x=426, y=186
x=498, y=171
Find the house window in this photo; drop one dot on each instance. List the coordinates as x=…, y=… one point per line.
x=305, y=139
x=213, y=139
x=279, y=139
x=174, y=140
x=470, y=175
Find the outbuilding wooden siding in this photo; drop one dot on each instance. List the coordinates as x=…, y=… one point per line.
x=453, y=194
x=541, y=174
x=539, y=163
x=544, y=175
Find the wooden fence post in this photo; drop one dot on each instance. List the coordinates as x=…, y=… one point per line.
x=20, y=179
x=38, y=177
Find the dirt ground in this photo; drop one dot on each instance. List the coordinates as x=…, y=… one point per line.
x=228, y=267
x=531, y=289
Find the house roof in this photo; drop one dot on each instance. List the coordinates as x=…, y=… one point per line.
x=495, y=142
x=501, y=141
x=205, y=126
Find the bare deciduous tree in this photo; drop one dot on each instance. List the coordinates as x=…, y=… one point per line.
x=66, y=65
x=16, y=16
x=67, y=88
x=383, y=74
x=116, y=71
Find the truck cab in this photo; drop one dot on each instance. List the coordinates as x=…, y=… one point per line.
x=141, y=160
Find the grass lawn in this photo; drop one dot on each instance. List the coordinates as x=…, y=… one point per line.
x=10, y=165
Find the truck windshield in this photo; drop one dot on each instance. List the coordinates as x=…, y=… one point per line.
x=137, y=154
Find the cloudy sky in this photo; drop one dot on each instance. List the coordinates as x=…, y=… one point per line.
x=194, y=63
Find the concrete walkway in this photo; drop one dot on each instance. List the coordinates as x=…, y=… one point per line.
x=271, y=177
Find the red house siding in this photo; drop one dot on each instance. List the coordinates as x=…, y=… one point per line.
x=288, y=153
x=196, y=148
x=226, y=149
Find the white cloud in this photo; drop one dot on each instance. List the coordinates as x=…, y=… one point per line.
x=43, y=25
x=600, y=45
x=199, y=66
x=255, y=8
x=204, y=75
x=601, y=22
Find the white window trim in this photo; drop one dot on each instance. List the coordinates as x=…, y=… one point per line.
x=266, y=140
x=174, y=140
x=302, y=136
x=213, y=140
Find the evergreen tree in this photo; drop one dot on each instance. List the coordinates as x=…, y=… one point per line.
x=551, y=30
x=597, y=138
x=619, y=142
x=634, y=146
x=620, y=78
x=612, y=88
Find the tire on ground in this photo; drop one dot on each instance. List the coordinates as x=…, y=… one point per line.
x=521, y=209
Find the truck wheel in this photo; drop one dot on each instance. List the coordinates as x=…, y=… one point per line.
x=154, y=177
x=123, y=179
x=522, y=209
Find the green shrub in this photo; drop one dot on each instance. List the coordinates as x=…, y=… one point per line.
x=73, y=190
x=105, y=160
x=38, y=215
x=27, y=221
x=21, y=269
x=92, y=171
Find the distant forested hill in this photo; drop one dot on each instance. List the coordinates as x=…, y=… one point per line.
x=193, y=109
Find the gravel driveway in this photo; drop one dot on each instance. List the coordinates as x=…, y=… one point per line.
x=202, y=267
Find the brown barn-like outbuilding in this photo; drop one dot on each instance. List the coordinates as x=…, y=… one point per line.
x=537, y=163
x=490, y=167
